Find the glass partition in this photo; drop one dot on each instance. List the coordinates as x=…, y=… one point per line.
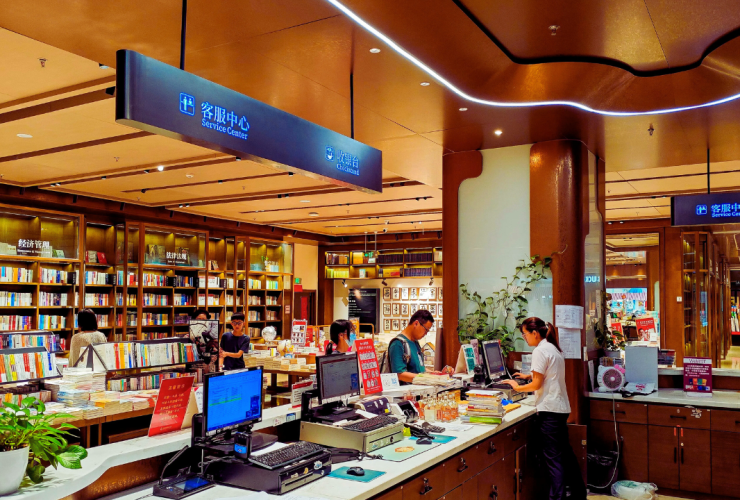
x=40, y=234
x=174, y=247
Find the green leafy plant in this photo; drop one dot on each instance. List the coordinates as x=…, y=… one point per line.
x=28, y=426
x=499, y=316
x=611, y=340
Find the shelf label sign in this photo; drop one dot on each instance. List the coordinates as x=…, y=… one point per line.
x=703, y=209
x=33, y=247
x=164, y=100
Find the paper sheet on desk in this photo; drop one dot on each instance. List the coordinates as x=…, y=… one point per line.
x=261, y=495
x=451, y=427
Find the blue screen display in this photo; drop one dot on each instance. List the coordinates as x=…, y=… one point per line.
x=233, y=399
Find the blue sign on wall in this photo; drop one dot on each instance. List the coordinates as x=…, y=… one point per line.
x=162, y=99
x=705, y=209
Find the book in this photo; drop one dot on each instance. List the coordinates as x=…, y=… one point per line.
x=92, y=257
x=101, y=258
x=151, y=253
x=59, y=254
x=161, y=254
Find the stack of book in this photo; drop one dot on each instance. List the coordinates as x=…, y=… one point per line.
x=112, y=406
x=484, y=406
x=73, y=397
x=91, y=411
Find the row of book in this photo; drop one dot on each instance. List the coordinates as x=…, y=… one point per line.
x=153, y=299
x=98, y=278
x=271, y=300
x=57, y=276
x=420, y=257
x=212, y=300
x=52, y=322
x=389, y=273
x=131, y=280
x=390, y=258
x=254, y=332
x=16, y=394
x=26, y=366
x=130, y=299
x=130, y=319
x=15, y=275
x=255, y=300
x=93, y=257
x=271, y=316
x=53, y=299
x=268, y=284
x=103, y=320
x=120, y=355
x=51, y=342
x=254, y=316
x=155, y=280
x=230, y=300
x=16, y=299
x=363, y=258
x=124, y=337
x=96, y=299
x=15, y=322
x=415, y=272
x=183, y=299
x=149, y=319
x=335, y=273
x=337, y=259
x=145, y=382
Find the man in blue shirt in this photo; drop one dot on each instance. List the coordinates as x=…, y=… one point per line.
x=404, y=351
x=234, y=344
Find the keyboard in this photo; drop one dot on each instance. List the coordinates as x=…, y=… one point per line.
x=286, y=455
x=370, y=424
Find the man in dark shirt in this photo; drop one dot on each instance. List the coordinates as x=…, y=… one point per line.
x=234, y=344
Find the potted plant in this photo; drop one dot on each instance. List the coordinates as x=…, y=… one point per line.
x=29, y=443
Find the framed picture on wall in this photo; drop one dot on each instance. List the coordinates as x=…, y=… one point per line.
x=432, y=308
x=386, y=293
x=413, y=308
x=396, y=294
x=396, y=309
x=386, y=325
x=405, y=310
x=438, y=323
x=439, y=293
x=387, y=309
x=396, y=325
x=413, y=293
x=424, y=293
x=439, y=310
x=432, y=294
x=404, y=294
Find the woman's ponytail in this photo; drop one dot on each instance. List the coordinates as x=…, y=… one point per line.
x=545, y=330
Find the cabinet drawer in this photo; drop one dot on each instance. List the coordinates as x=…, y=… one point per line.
x=726, y=420
x=427, y=486
x=460, y=468
x=514, y=438
x=633, y=413
x=489, y=451
x=690, y=418
x=456, y=494
x=394, y=494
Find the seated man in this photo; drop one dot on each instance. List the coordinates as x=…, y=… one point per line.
x=234, y=344
x=404, y=352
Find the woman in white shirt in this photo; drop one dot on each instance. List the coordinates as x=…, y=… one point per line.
x=553, y=408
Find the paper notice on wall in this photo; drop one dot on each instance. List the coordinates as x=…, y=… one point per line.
x=570, y=342
x=569, y=317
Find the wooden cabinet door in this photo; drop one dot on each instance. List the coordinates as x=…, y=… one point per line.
x=525, y=474
x=725, y=463
x=695, y=459
x=663, y=455
x=633, y=448
x=394, y=494
x=428, y=486
x=460, y=468
x=470, y=488
x=456, y=494
x=635, y=413
x=498, y=482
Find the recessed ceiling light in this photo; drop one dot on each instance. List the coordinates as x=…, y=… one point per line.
x=498, y=132
x=160, y=168
x=425, y=84
x=189, y=176
x=463, y=109
x=24, y=136
x=313, y=214
x=305, y=201
x=374, y=50
x=102, y=66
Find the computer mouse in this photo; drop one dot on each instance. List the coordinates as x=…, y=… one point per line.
x=424, y=441
x=355, y=471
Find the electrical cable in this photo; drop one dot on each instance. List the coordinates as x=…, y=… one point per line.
x=616, y=440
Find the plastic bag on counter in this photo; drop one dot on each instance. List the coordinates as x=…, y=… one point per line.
x=630, y=490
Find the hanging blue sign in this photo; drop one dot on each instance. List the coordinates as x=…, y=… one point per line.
x=159, y=98
x=704, y=209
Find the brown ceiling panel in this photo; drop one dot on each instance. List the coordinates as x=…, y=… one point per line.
x=621, y=31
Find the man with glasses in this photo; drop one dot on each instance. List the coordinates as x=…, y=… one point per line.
x=234, y=344
x=404, y=352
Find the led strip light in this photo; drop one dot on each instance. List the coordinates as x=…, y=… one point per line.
x=485, y=102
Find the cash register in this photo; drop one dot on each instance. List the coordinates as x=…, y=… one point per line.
x=337, y=425
x=496, y=371
x=235, y=456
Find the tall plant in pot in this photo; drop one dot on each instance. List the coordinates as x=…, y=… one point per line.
x=29, y=443
x=499, y=316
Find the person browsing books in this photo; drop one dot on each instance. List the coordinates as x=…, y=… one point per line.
x=234, y=344
x=404, y=352
x=553, y=408
x=342, y=334
x=88, y=334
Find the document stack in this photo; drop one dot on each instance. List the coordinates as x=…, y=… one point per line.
x=484, y=407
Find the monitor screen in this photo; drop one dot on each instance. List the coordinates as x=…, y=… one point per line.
x=337, y=375
x=232, y=398
x=494, y=359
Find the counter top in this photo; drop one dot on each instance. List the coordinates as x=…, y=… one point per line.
x=330, y=488
x=63, y=482
x=719, y=399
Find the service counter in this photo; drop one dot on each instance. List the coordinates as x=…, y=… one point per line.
x=481, y=459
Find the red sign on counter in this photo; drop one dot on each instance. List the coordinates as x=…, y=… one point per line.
x=697, y=376
x=172, y=404
x=369, y=368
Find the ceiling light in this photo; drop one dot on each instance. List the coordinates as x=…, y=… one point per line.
x=143, y=190
x=160, y=168
x=220, y=181
x=621, y=222
x=611, y=222
x=237, y=159
x=498, y=132
x=374, y=50
x=384, y=282
x=344, y=283
x=180, y=205
x=102, y=66
x=431, y=282
x=103, y=178
x=189, y=176
x=187, y=206
x=313, y=214
x=146, y=171
x=425, y=84
x=25, y=136
x=463, y=109
x=290, y=174
x=305, y=201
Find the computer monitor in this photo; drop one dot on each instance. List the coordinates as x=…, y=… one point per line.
x=337, y=375
x=231, y=399
x=494, y=359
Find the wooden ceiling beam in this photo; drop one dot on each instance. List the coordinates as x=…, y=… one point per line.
x=51, y=107
x=384, y=215
x=206, y=183
x=58, y=93
x=355, y=204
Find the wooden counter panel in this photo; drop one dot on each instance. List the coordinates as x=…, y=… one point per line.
x=428, y=486
x=462, y=467
x=633, y=413
x=456, y=494
x=725, y=420
x=679, y=415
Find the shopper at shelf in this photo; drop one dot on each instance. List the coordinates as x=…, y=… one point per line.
x=343, y=335
x=204, y=333
x=404, y=352
x=88, y=334
x=234, y=345
x=553, y=407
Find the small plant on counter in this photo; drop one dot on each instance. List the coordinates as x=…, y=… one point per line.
x=607, y=338
x=493, y=316
x=27, y=426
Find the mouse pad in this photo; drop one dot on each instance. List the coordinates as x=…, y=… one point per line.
x=439, y=438
x=341, y=473
x=406, y=448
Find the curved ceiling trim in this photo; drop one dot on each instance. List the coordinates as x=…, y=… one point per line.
x=452, y=87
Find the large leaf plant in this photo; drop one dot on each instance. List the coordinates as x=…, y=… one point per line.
x=28, y=426
x=499, y=316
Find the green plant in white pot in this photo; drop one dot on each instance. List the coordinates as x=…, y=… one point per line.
x=29, y=443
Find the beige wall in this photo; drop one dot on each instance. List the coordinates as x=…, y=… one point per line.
x=307, y=265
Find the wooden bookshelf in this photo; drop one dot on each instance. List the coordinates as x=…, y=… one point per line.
x=422, y=263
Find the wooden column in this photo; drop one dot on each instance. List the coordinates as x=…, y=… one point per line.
x=559, y=223
x=456, y=168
